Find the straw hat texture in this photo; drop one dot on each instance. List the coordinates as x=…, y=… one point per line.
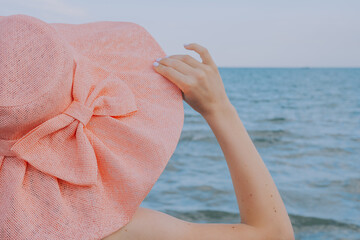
x=87, y=126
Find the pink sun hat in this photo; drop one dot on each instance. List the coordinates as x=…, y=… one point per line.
x=87, y=126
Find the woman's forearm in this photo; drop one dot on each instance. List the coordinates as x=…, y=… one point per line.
x=259, y=201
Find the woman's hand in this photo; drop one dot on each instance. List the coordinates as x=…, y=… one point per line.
x=262, y=212
x=200, y=83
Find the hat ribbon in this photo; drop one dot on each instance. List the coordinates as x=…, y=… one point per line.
x=61, y=146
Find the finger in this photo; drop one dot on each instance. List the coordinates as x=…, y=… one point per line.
x=188, y=60
x=178, y=65
x=171, y=74
x=203, y=52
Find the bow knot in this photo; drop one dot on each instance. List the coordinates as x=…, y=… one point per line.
x=80, y=112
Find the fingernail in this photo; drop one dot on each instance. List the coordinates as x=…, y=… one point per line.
x=156, y=64
x=186, y=44
x=158, y=59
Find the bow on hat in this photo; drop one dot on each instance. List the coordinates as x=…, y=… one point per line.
x=60, y=146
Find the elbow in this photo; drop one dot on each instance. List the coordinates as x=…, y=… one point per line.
x=279, y=233
x=283, y=235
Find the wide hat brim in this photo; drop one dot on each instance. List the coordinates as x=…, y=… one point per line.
x=107, y=166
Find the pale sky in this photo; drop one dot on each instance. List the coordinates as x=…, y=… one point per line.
x=253, y=33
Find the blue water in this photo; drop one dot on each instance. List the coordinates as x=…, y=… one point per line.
x=305, y=124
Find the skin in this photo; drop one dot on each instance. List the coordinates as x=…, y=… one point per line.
x=263, y=213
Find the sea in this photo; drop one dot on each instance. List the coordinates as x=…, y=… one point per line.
x=305, y=123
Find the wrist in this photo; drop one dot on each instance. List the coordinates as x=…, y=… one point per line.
x=224, y=110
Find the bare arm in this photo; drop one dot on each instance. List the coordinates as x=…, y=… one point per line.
x=259, y=201
x=263, y=213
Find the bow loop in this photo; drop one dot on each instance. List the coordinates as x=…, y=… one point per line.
x=61, y=147
x=112, y=97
